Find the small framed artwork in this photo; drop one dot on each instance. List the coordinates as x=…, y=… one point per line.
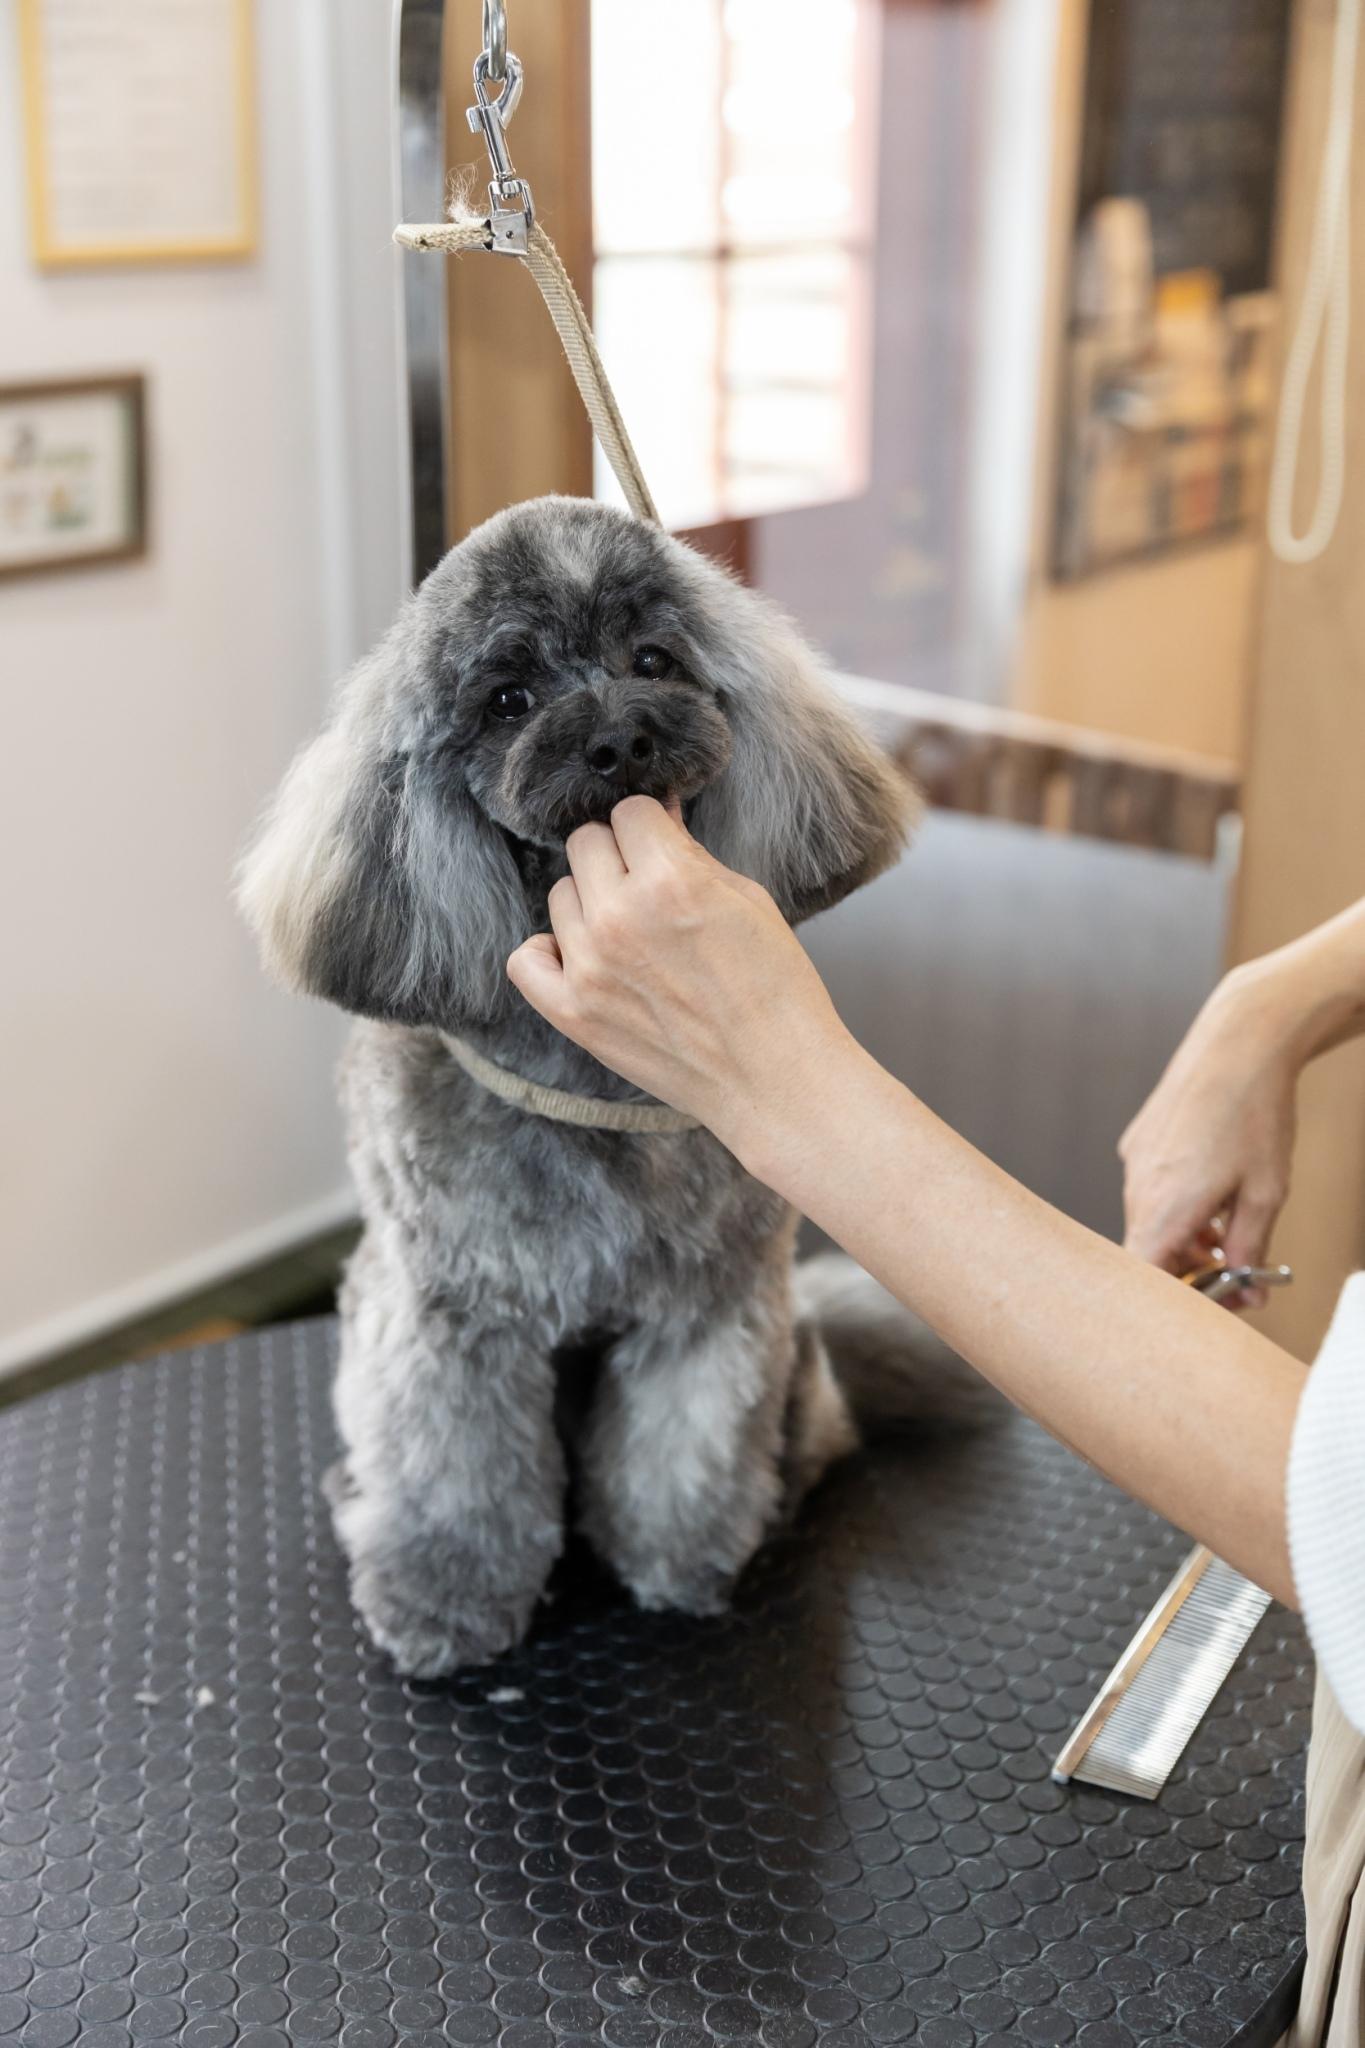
x=140, y=126
x=73, y=472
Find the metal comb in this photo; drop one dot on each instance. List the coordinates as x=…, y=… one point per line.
x=1134, y=1732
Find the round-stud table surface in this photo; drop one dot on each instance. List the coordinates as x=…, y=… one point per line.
x=824, y=1818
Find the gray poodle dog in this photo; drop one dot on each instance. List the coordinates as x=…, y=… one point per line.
x=531, y=1293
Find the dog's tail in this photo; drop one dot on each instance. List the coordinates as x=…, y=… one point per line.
x=890, y=1367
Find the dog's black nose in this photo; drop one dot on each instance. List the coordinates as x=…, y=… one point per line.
x=621, y=754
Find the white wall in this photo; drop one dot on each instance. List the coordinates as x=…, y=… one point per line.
x=166, y=1115
x=1026, y=148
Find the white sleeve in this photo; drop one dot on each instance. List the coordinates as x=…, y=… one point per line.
x=1327, y=1503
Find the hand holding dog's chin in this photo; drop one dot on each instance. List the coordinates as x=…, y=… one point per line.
x=685, y=978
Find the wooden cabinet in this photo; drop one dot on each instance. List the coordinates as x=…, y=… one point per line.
x=1304, y=805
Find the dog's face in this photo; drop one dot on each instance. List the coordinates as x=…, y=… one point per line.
x=579, y=674
x=560, y=658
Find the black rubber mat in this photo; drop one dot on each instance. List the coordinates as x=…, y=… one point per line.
x=826, y=1818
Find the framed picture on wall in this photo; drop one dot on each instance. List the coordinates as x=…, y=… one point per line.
x=72, y=474
x=140, y=130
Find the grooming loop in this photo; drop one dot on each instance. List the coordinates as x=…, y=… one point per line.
x=588, y=1112
x=511, y=229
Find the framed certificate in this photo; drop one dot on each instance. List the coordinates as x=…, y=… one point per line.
x=140, y=124
x=72, y=474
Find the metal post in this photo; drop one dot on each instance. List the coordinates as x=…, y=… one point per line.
x=418, y=37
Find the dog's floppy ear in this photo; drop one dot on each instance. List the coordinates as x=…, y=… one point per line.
x=809, y=806
x=375, y=880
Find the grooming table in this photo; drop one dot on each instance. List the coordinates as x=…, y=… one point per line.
x=825, y=1818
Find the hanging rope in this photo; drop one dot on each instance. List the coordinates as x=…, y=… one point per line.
x=466, y=230
x=1325, y=317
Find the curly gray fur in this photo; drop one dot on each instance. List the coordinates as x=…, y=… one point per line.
x=561, y=654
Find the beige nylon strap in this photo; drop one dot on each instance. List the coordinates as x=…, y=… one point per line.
x=463, y=231
x=468, y=231
x=589, y=1112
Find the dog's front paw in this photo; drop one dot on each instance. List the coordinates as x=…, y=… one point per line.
x=439, y=1599
x=424, y=1644
x=666, y=1587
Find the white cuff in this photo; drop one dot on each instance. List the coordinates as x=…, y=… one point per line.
x=1326, y=1503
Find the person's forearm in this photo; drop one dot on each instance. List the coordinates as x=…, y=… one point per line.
x=685, y=978
x=1307, y=996
x=1208, y=1157
x=1183, y=1405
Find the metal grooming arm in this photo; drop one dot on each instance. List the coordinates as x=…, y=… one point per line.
x=419, y=32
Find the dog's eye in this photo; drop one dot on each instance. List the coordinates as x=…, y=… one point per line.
x=656, y=664
x=512, y=702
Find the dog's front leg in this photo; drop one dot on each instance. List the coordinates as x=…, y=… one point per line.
x=682, y=1460
x=449, y=1502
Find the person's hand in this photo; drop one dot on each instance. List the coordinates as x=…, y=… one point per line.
x=1207, y=1160
x=678, y=974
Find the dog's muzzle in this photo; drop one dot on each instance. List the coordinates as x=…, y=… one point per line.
x=579, y=758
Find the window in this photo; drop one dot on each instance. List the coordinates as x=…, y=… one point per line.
x=787, y=210
x=733, y=219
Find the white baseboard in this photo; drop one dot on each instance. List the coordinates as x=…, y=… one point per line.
x=143, y=1297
